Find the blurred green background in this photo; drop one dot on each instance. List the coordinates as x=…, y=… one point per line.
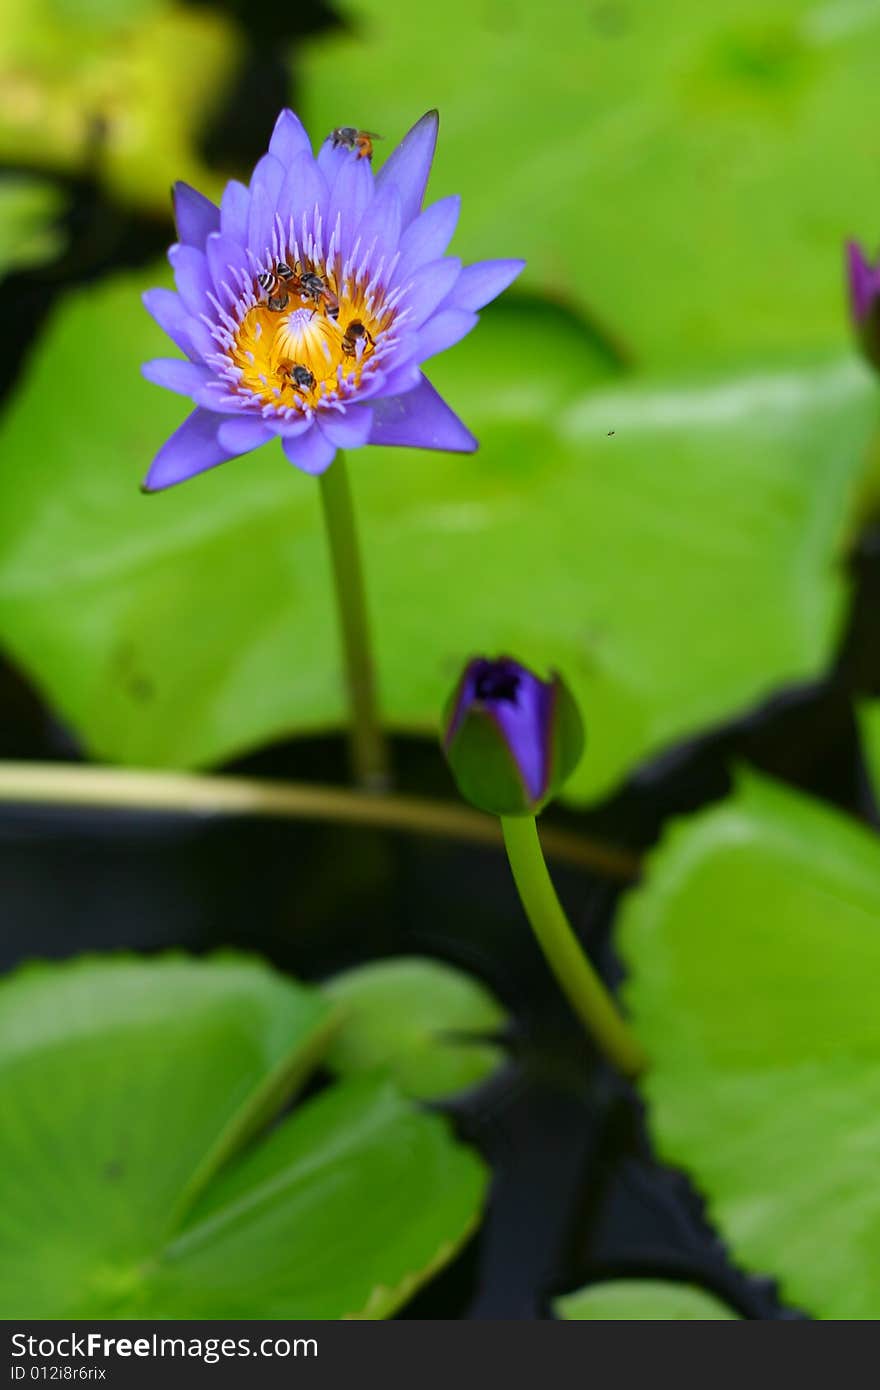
x=675, y=428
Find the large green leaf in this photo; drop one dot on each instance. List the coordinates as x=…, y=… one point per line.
x=754, y=957
x=670, y=544
x=112, y=87
x=641, y=1300
x=128, y=1090
x=428, y=1024
x=688, y=172
x=343, y=1212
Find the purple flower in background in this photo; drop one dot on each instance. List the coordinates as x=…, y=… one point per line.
x=307, y=302
x=511, y=739
x=864, y=295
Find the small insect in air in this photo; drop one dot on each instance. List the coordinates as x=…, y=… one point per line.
x=347, y=138
x=355, y=333
x=274, y=284
x=301, y=379
x=313, y=286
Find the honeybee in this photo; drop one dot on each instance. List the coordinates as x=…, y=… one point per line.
x=275, y=285
x=301, y=379
x=313, y=286
x=347, y=138
x=355, y=333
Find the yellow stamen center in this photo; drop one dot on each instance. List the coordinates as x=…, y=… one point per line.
x=306, y=334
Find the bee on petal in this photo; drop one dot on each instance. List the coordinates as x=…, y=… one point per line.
x=346, y=137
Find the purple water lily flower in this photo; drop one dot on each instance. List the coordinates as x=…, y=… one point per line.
x=511, y=739
x=864, y=294
x=308, y=301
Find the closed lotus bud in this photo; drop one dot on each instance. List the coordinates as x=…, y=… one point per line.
x=864, y=294
x=512, y=740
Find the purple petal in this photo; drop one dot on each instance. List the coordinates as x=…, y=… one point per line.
x=443, y=331
x=864, y=282
x=379, y=228
x=218, y=397
x=429, y=288
x=168, y=310
x=312, y=452
x=289, y=138
x=174, y=375
x=235, y=207
x=348, y=431
x=350, y=196
x=480, y=283
x=241, y=435
x=192, y=449
x=332, y=158
x=192, y=278
x=427, y=238
x=266, y=184
x=525, y=724
x=409, y=165
x=195, y=215
x=225, y=256
x=303, y=190
x=420, y=419
x=289, y=426
x=401, y=379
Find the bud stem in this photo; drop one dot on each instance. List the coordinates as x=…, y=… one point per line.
x=585, y=991
x=369, y=754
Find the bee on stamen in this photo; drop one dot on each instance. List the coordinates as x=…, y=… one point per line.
x=355, y=333
x=314, y=287
x=273, y=282
x=347, y=138
x=301, y=379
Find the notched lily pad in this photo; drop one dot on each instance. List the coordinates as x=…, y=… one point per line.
x=135, y=1098
x=672, y=546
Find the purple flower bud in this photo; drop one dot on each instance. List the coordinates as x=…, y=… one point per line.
x=864, y=294
x=511, y=739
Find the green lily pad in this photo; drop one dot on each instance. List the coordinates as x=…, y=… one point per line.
x=754, y=954
x=29, y=209
x=657, y=164
x=428, y=1024
x=671, y=545
x=642, y=1300
x=134, y=1097
x=114, y=89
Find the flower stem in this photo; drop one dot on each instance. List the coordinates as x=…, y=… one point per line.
x=369, y=755
x=576, y=976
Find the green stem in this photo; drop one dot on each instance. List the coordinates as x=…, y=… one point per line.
x=585, y=991
x=368, y=750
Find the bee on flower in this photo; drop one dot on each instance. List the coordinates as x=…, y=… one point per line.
x=306, y=304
